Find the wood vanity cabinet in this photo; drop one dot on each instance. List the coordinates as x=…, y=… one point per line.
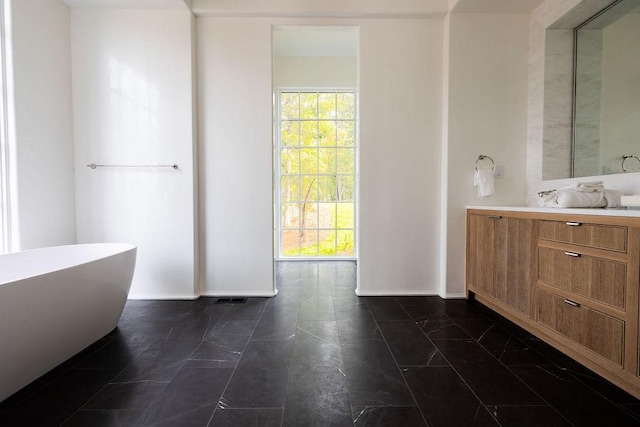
x=580, y=291
x=500, y=259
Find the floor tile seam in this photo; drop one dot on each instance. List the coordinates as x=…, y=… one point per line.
x=172, y=416
x=510, y=371
x=287, y=385
x=392, y=406
x=507, y=367
x=85, y=403
x=522, y=406
x=32, y=393
x=207, y=367
x=538, y=394
x=499, y=359
x=182, y=365
x=511, y=338
x=144, y=410
x=406, y=311
x=209, y=331
x=424, y=366
x=629, y=412
x=598, y=393
x=103, y=387
x=472, y=303
x=224, y=333
x=340, y=342
x=455, y=339
x=444, y=316
x=482, y=404
x=136, y=382
x=235, y=368
x=104, y=368
x=633, y=415
x=424, y=418
x=431, y=341
x=257, y=408
x=292, y=337
x=318, y=337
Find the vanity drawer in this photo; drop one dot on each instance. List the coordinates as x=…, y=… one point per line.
x=600, y=279
x=608, y=237
x=589, y=328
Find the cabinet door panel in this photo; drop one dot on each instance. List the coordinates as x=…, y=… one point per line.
x=482, y=253
x=609, y=237
x=513, y=262
x=596, y=331
x=596, y=278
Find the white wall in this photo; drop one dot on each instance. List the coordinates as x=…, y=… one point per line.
x=307, y=72
x=487, y=115
x=133, y=105
x=40, y=124
x=235, y=152
x=400, y=150
x=400, y=117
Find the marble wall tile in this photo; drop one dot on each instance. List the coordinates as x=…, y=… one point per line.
x=557, y=102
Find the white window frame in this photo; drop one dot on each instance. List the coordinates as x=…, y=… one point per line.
x=5, y=199
x=278, y=175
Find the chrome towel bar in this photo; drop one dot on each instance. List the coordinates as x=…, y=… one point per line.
x=94, y=166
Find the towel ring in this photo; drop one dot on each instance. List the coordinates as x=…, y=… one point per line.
x=482, y=157
x=626, y=157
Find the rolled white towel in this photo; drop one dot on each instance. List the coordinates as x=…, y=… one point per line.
x=585, y=187
x=614, y=198
x=484, y=180
x=581, y=199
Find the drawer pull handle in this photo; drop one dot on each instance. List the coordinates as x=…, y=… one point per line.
x=573, y=254
x=571, y=303
x=575, y=224
x=495, y=216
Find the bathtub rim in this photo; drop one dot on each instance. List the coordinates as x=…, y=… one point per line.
x=12, y=275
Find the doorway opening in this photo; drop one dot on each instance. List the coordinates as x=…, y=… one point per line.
x=315, y=122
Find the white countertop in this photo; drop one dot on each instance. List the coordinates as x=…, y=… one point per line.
x=574, y=211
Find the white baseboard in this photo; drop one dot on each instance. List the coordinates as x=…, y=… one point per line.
x=228, y=294
x=454, y=296
x=397, y=293
x=162, y=297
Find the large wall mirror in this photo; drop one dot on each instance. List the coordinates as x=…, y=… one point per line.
x=606, y=99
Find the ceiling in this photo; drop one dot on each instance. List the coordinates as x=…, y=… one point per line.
x=129, y=4
x=324, y=8
x=496, y=6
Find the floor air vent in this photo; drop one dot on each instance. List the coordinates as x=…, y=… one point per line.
x=231, y=301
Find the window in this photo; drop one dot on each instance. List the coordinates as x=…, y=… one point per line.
x=317, y=161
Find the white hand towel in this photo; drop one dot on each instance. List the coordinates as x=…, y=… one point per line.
x=483, y=179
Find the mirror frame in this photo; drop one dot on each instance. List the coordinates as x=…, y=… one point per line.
x=574, y=114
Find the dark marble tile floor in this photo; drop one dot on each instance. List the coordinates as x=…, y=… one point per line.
x=318, y=355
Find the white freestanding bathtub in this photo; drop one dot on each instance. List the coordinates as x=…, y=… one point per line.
x=56, y=301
